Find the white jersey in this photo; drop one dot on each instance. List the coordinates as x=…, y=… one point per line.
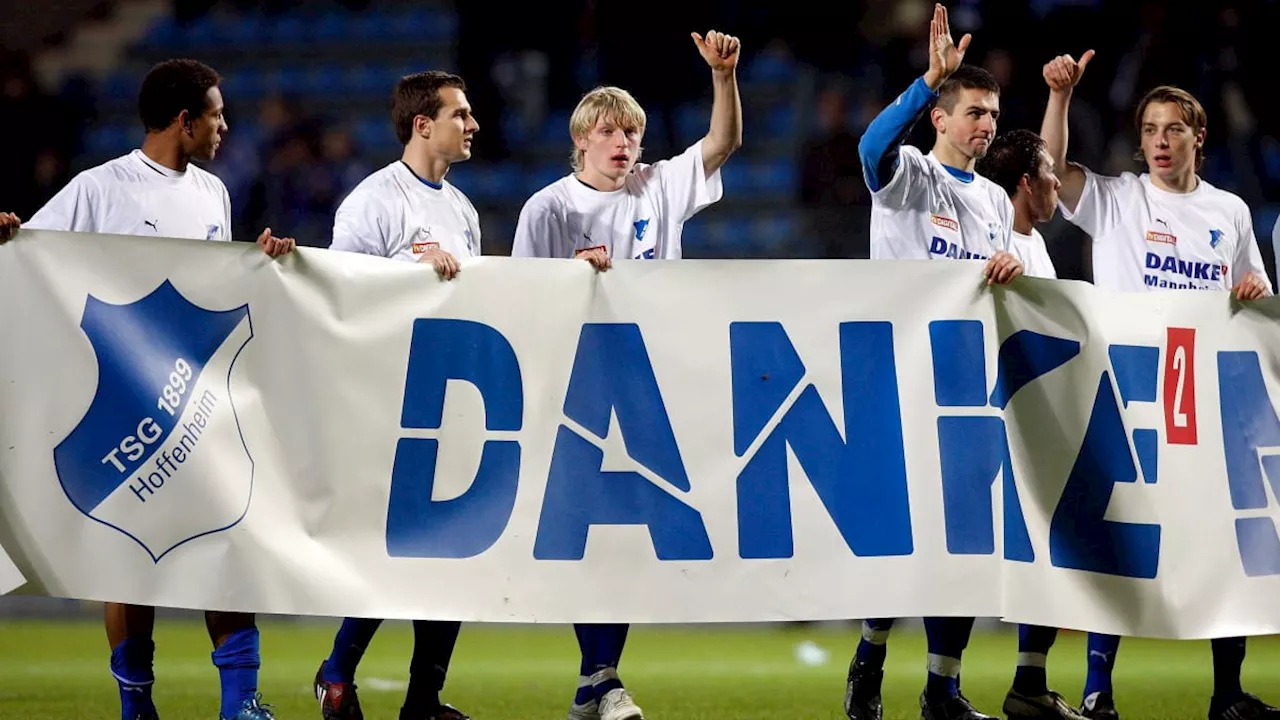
x=1275, y=238
x=642, y=220
x=926, y=213
x=1145, y=238
x=1033, y=253
x=134, y=195
x=395, y=214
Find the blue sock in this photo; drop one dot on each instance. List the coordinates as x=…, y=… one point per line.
x=131, y=663
x=947, y=638
x=874, y=645
x=1101, y=662
x=1228, y=658
x=601, y=646
x=348, y=647
x=238, y=660
x=1034, y=642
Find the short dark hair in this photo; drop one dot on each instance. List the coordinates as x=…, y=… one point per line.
x=419, y=94
x=966, y=77
x=171, y=87
x=1012, y=154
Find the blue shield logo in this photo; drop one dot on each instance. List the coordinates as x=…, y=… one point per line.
x=159, y=454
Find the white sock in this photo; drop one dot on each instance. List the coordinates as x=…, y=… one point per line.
x=1026, y=659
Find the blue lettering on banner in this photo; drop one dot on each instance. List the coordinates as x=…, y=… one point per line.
x=858, y=472
x=1249, y=424
x=417, y=526
x=861, y=478
x=1080, y=536
x=613, y=377
x=973, y=449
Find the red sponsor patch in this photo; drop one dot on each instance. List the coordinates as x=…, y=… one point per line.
x=945, y=222
x=1153, y=236
x=421, y=247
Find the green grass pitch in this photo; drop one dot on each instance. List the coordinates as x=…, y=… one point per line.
x=58, y=670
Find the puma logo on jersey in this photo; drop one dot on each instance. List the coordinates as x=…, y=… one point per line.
x=153, y=224
x=945, y=222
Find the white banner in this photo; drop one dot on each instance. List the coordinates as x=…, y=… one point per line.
x=191, y=424
x=10, y=577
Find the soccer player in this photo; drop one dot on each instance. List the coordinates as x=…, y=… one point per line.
x=1019, y=162
x=407, y=211
x=933, y=207
x=1164, y=229
x=612, y=207
x=158, y=191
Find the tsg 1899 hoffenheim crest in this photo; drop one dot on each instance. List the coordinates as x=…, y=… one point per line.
x=159, y=455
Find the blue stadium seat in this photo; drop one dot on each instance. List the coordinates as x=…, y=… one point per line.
x=775, y=230
x=110, y=140
x=691, y=122
x=771, y=68
x=163, y=34
x=543, y=175
x=120, y=85
x=555, y=129
x=290, y=29
x=289, y=80
x=371, y=26
x=242, y=84
x=735, y=176
x=247, y=31
x=373, y=131
x=329, y=28
x=203, y=33
x=363, y=80
x=323, y=80
x=485, y=183
x=775, y=177
x=782, y=122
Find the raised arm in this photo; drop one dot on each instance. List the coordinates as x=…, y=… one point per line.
x=878, y=148
x=1061, y=74
x=725, y=135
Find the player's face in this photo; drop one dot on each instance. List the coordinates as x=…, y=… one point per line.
x=972, y=123
x=207, y=129
x=1169, y=144
x=1044, y=190
x=609, y=149
x=453, y=127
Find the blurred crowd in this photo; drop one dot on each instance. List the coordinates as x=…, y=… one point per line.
x=540, y=56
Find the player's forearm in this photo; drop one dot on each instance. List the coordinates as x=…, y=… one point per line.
x=1054, y=131
x=725, y=134
x=878, y=148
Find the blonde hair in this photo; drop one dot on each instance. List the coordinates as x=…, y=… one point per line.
x=612, y=103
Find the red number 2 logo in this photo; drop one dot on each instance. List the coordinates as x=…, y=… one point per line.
x=1180, y=387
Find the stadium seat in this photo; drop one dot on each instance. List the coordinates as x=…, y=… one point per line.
x=769, y=67
x=110, y=140
x=543, y=175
